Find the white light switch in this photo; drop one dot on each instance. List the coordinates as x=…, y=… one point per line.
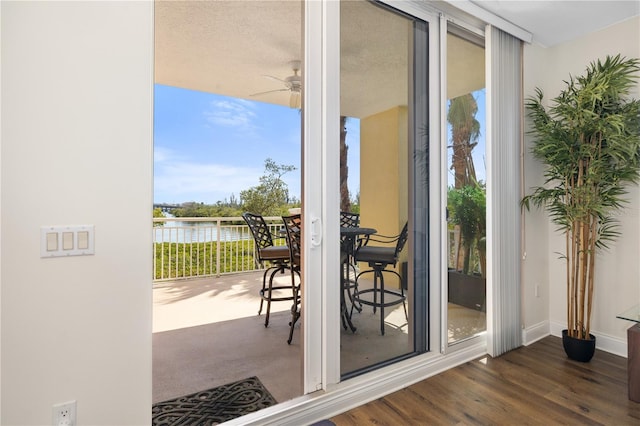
x=83, y=240
x=59, y=241
x=67, y=240
x=52, y=241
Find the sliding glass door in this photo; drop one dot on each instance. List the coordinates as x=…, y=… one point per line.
x=383, y=123
x=465, y=185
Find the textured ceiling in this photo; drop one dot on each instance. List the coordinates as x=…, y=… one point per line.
x=228, y=47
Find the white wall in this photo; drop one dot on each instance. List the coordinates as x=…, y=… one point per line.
x=618, y=270
x=77, y=89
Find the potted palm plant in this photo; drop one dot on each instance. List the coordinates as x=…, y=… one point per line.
x=467, y=283
x=589, y=141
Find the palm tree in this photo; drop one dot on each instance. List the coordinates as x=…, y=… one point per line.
x=465, y=130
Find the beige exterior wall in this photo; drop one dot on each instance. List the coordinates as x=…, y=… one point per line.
x=383, y=171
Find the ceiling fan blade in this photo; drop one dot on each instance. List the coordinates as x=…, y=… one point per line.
x=275, y=78
x=269, y=91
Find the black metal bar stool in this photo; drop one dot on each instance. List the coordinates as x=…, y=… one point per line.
x=293, y=226
x=379, y=258
x=276, y=256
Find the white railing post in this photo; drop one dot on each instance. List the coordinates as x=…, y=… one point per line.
x=218, y=246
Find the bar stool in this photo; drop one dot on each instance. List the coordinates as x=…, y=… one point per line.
x=276, y=256
x=379, y=258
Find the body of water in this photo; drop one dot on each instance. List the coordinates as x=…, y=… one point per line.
x=191, y=232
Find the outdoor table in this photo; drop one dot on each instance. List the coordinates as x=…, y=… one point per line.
x=348, y=241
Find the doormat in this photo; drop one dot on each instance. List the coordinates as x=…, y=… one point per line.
x=213, y=406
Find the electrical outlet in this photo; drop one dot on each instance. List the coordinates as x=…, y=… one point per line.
x=64, y=414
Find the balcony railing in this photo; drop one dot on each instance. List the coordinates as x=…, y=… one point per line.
x=200, y=247
x=190, y=247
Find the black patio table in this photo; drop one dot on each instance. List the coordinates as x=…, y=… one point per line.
x=348, y=236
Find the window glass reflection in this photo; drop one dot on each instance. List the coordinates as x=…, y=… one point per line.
x=466, y=187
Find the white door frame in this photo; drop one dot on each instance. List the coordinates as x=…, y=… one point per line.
x=320, y=194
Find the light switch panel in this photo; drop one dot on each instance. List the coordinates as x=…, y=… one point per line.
x=58, y=241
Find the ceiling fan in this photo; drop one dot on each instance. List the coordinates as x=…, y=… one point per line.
x=292, y=83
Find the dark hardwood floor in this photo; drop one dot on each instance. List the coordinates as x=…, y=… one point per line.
x=534, y=385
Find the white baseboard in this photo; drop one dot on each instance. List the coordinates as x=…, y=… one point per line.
x=604, y=342
x=535, y=332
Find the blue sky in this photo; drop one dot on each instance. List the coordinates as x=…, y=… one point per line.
x=208, y=147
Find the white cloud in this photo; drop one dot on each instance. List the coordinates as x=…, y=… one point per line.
x=231, y=113
x=180, y=181
x=161, y=154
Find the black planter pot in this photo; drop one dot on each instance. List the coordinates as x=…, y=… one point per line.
x=467, y=290
x=579, y=349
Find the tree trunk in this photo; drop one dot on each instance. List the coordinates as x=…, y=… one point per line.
x=345, y=202
x=465, y=130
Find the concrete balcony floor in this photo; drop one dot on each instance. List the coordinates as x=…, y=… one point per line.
x=206, y=333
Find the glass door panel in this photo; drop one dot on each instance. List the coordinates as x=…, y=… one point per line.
x=227, y=89
x=377, y=154
x=466, y=185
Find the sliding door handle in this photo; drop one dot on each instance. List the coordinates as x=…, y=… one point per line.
x=316, y=232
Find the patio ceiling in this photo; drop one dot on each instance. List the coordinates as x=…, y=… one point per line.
x=227, y=47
